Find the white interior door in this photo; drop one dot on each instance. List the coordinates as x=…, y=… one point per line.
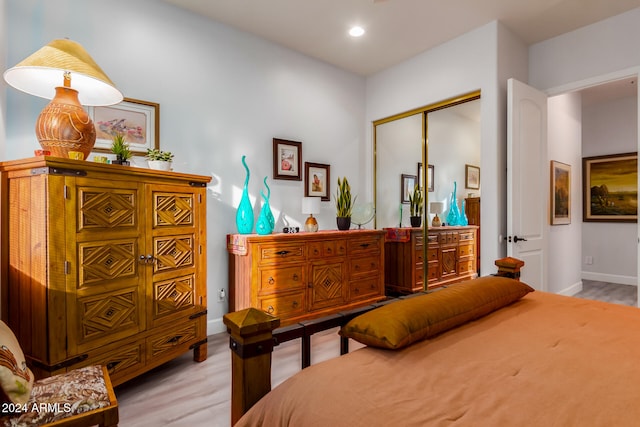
x=527, y=181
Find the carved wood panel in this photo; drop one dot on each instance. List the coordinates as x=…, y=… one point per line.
x=167, y=342
x=105, y=208
x=171, y=296
x=173, y=252
x=173, y=209
x=327, y=285
x=109, y=313
x=103, y=261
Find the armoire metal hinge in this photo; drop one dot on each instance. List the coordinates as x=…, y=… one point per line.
x=66, y=267
x=66, y=192
x=200, y=198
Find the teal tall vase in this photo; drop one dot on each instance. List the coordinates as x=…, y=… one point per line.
x=266, y=221
x=464, y=221
x=453, y=217
x=244, y=214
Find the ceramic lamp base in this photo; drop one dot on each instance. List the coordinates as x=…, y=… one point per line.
x=311, y=224
x=436, y=221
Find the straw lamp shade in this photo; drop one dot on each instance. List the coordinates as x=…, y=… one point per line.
x=65, y=73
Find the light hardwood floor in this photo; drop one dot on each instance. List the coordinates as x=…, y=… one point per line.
x=186, y=393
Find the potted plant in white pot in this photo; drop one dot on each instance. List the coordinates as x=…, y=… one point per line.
x=159, y=160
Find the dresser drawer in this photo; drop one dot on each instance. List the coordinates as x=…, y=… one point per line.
x=465, y=250
x=284, y=306
x=271, y=254
x=468, y=235
x=327, y=248
x=466, y=266
x=364, y=288
x=174, y=340
x=122, y=360
x=359, y=267
x=432, y=254
x=365, y=245
x=281, y=279
x=448, y=238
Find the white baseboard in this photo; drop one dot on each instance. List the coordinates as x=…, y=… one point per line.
x=572, y=290
x=215, y=326
x=610, y=278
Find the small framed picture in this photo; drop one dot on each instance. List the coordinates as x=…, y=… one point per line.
x=138, y=121
x=407, y=185
x=560, y=193
x=317, y=179
x=430, y=178
x=472, y=177
x=287, y=159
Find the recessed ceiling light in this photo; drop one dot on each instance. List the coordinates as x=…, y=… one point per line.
x=356, y=31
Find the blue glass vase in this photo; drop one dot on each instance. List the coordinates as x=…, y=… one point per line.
x=244, y=214
x=453, y=217
x=464, y=221
x=266, y=221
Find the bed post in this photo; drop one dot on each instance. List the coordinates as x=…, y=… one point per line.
x=509, y=267
x=251, y=343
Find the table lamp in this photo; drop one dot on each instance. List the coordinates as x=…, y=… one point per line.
x=436, y=208
x=65, y=73
x=311, y=205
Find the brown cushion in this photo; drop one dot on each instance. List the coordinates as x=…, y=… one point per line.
x=401, y=323
x=16, y=378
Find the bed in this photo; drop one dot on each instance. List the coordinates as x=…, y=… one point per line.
x=538, y=360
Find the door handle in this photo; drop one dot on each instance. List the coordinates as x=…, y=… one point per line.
x=517, y=239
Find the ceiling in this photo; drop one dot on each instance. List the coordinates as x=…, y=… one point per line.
x=395, y=29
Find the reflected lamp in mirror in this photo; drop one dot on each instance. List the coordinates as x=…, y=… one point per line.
x=64, y=72
x=311, y=205
x=436, y=208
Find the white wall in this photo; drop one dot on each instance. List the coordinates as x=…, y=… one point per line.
x=3, y=95
x=222, y=93
x=565, y=145
x=476, y=60
x=610, y=128
x=595, y=53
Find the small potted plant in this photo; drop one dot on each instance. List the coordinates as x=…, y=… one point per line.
x=120, y=148
x=344, y=204
x=416, y=205
x=158, y=159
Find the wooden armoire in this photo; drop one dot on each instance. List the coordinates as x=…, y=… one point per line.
x=102, y=264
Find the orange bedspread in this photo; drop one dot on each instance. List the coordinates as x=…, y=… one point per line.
x=546, y=360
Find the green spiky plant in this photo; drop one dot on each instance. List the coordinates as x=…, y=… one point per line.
x=416, y=203
x=120, y=148
x=344, y=202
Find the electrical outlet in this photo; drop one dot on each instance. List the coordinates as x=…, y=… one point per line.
x=588, y=260
x=221, y=295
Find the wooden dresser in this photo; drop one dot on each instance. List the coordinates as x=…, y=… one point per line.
x=305, y=275
x=102, y=264
x=450, y=257
x=472, y=209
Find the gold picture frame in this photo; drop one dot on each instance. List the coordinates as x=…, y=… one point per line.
x=560, y=203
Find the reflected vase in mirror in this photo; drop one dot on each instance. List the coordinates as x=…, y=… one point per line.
x=416, y=221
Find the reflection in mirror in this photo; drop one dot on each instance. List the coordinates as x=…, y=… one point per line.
x=398, y=152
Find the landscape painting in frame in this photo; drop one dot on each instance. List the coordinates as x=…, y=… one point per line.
x=611, y=188
x=560, y=193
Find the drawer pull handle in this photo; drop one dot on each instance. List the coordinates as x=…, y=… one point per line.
x=357, y=290
x=112, y=365
x=295, y=277
x=174, y=339
x=309, y=285
x=295, y=304
x=271, y=281
x=270, y=309
x=329, y=250
x=282, y=253
x=364, y=245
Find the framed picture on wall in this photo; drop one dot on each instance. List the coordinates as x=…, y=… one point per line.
x=317, y=179
x=560, y=202
x=287, y=159
x=610, y=188
x=407, y=185
x=471, y=177
x=138, y=121
x=430, y=178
